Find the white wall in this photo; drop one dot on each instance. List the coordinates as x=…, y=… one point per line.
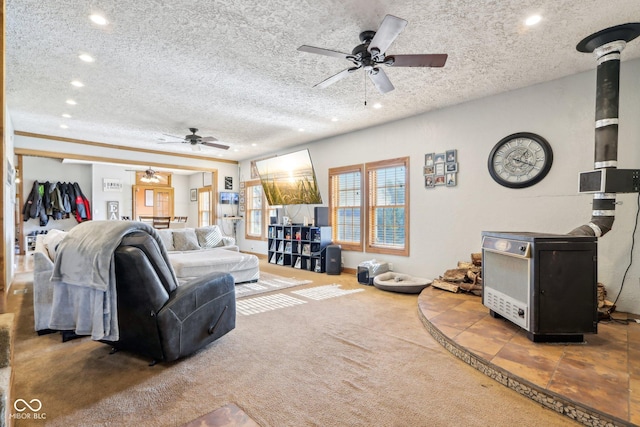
x=127, y=177
x=446, y=222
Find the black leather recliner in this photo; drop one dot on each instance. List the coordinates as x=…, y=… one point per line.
x=160, y=319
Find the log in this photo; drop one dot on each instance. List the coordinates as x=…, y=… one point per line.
x=476, y=258
x=455, y=275
x=466, y=265
x=441, y=284
x=472, y=288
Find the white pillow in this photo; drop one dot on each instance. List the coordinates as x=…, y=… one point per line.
x=209, y=237
x=166, y=236
x=185, y=240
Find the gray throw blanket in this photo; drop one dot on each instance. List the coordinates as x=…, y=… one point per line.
x=85, y=300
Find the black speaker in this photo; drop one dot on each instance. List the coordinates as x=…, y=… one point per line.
x=320, y=216
x=333, y=259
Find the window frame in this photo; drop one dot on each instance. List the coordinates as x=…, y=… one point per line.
x=370, y=209
x=265, y=212
x=334, y=174
x=211, y=194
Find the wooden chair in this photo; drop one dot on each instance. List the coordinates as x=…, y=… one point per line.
x=161, y=221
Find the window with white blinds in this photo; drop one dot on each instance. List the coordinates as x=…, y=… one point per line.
x=257, y=211
x=388, y=206
x=345, y=206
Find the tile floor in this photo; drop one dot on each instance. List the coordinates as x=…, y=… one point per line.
x=593, y=382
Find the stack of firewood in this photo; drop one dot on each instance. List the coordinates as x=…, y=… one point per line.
x=605, y=307
x=466, y=278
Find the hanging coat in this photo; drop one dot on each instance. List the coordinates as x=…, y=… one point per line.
x=64, y=197
x=30, y=208
x=83, y=210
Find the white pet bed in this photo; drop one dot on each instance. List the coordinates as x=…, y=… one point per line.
x=397, y=282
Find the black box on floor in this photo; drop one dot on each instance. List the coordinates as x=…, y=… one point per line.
x=333, y=262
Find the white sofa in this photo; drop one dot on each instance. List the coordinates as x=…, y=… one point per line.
x=194, y=252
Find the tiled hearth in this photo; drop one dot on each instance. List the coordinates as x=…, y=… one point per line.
x=591, y=382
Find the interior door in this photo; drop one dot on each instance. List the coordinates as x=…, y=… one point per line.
x=150, y=200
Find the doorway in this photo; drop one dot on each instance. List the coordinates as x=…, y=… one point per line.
x=152, y=200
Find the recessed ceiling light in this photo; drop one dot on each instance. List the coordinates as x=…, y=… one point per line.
x=254, y=144
x=86, y=57
x=377, y=105
x=98, y=19
x=334, y=119
x=533, y=20
x=64, y=126
x=236, y=150
x=66, y=116
x=71, y=102
x=77, y=83
x=300, y=130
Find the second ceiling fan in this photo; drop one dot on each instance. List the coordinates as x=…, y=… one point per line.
x=372, y=53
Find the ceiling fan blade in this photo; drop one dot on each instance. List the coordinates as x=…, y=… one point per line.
x=214, y=145
x=390, y=28
x=381, y=81
x=321, y=51
x=427, y=60
x=331, y=80
x=173, y=136
x=209, y=139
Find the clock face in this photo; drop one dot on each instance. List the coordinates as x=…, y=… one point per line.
x=520, y=160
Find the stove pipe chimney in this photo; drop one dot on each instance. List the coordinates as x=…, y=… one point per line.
x=607, y=45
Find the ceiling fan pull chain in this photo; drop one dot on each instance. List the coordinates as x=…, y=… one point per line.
x=365, y=89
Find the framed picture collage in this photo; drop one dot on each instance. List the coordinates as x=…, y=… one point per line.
x=441, y=169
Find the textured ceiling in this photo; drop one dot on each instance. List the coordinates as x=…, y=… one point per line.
x=231, y=67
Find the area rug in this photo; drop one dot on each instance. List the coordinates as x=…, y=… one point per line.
x=268, y=282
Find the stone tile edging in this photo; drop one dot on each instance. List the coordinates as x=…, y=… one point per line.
x=548, y=399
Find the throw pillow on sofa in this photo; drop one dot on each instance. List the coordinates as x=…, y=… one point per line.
x=209, y=237
x=185, y=240
x=166, y=236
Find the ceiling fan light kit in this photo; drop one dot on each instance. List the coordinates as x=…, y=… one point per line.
x=372, y=53
x=150, y=177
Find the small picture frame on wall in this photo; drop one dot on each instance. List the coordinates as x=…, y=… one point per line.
x=451, y=167
x=439, y=158
x=428, y=159
x=429, y=181
x=451, y=179
x=451, y=156
x=193, y=194
x=439, y=169
x=428, y=170
x=439, y=180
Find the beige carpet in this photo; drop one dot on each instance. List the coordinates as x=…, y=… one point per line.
x=350, y=359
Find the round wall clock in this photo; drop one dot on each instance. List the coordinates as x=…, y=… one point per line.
x=520, y=160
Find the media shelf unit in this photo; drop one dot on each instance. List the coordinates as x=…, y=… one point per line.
x=299, y=246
